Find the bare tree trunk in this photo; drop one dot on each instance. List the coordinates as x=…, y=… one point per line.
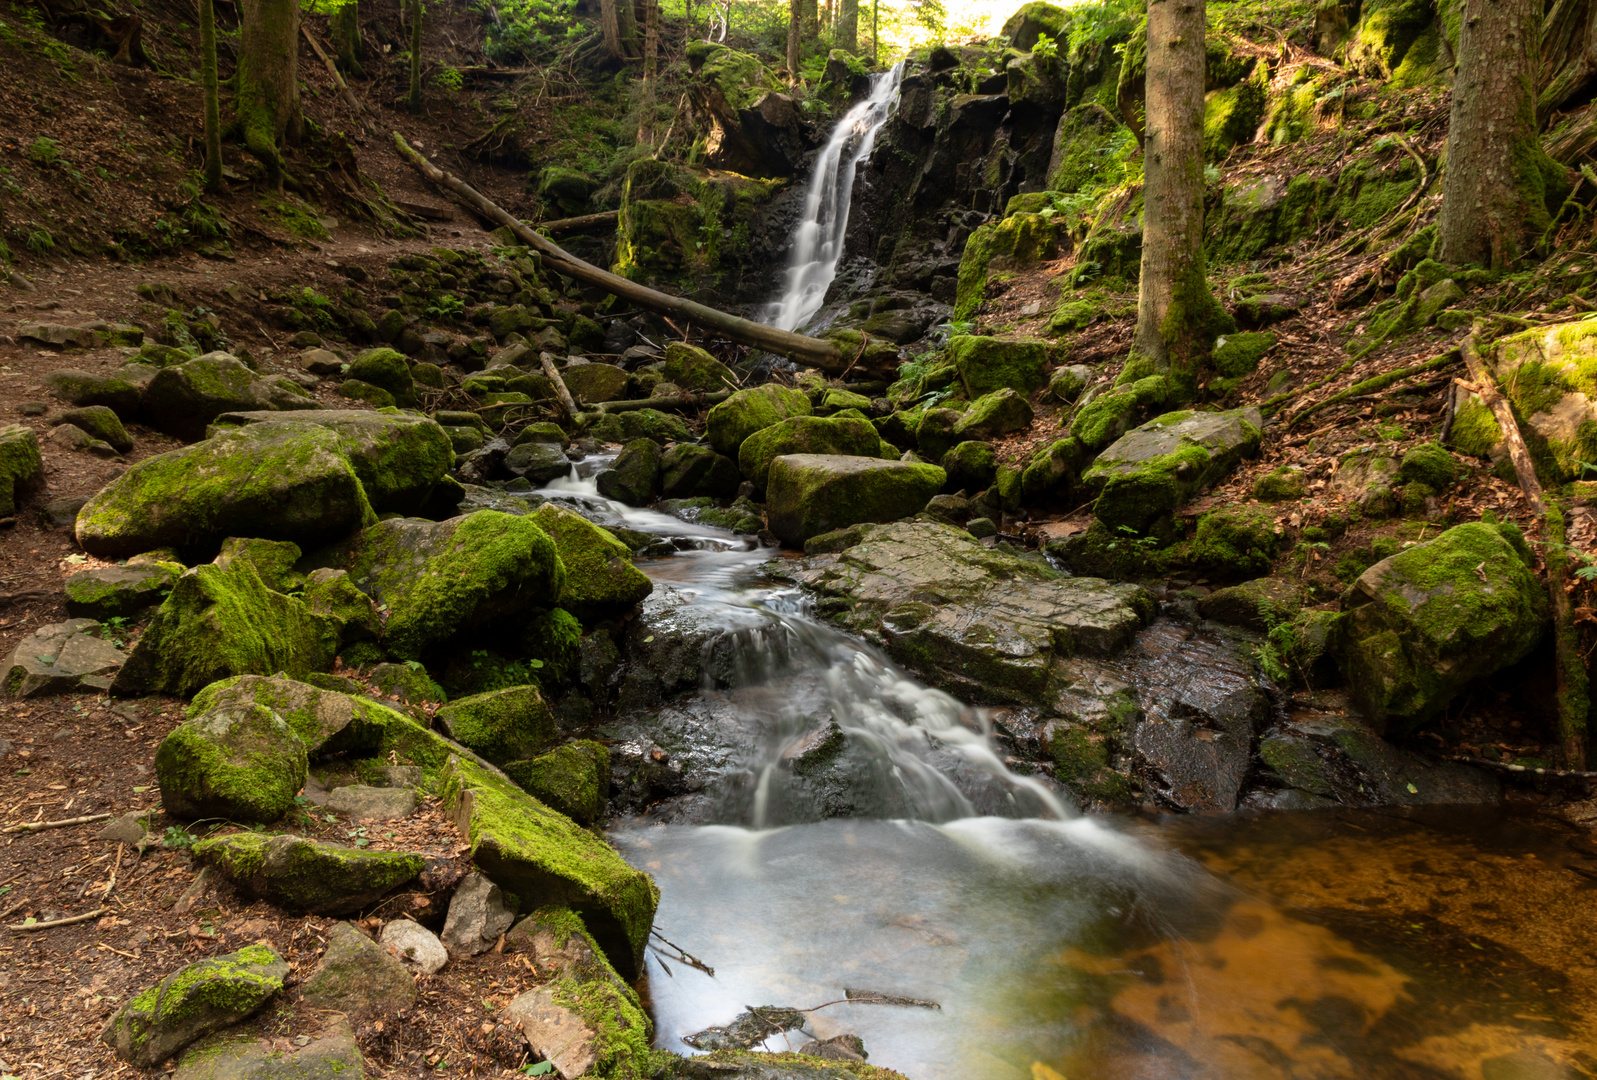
x=213, y=106
x=1494, y=193
x=848, y=25
x=415, y=56
x=620, y=24
x=651, y=58
x=268, y=81
x=795, y=16
x=346, y=39
x=1177, y=317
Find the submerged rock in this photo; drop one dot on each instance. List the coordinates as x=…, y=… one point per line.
x=307, y=875
x=192, y=1002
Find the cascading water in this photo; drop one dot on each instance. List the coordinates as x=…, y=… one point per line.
x=818, y=240
x=1053, y=944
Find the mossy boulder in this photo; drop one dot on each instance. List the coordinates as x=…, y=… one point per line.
x=1282, y=484
x=1260, y=604
x=624, y=427
x=112, y=592
x=1151, y=471
x=303, y=875
x=1001, y=412
x=21, y=466
x=986, y=364
x=118, y=391
x=1429, y=464
x=182, y=400
x=1232, y=114
x=934, y=432
x=805, y=435
x=330, y=592
x=99, y=421
x=748, y=411
x=971, y=466
x=592, y=383
x=634, y=476
x=694, y=369
x=1364, y=479
x=810, y=494
x=1053, y=470
x=1425, y=622
x=539, y=462
x=601, y=581
x=1017, y=242
x=1104, y=419
x=688, y=471
x=1239, y=354
x=193, y=1002
x=388, y=370
x=241, y=764
x=547, y=859
x=1034, y=19
x=501, y=725
x=573, y=779
x=223, y=621
x=1067, y=383
x=438, y=579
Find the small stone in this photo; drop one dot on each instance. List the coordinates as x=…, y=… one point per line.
x=62, y=658
x=477, y=916
x=838, y=1048
x=110, y=592
x=981, y=528
x=415, y=945
x=363, y=803
x=320, y=362
x=358, y=975
x=61, y=513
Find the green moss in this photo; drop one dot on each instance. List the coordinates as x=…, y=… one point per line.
x=1234, y=542
x=1231, y=115
x=1103, y=420
x=748, y=411
x=1428, y=464
x=986, y=364
x=1475, y=430
x=502, y=725
x=573, y=779
x=244, y=764
x=1239, y=354
x=1281, y=484
x=642, y=424
x=600, y=579
x=805, y=435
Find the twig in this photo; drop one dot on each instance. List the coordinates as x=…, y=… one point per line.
x=564, y=395
x=683, y=955
x=85, y=917
x=1366, y=386
x=115, y=866
x=36, y=826
x=865, y=341
x=1506, y=766
x=343, y=87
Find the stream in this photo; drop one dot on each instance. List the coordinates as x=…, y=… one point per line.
x=1426, y=943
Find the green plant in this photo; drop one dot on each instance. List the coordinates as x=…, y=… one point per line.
x=541, y=1068
x=447, y=306
x=450, y=79
x=178, y=838
x=44, y=151
x=40, y=242
x=1046, y=48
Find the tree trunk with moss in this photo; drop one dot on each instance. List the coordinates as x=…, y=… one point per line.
x=848, y=25
x=1495, y=189
x=346, y=39
x=1178, y=318
x=651, y=59
x=795, y=17
x=812, y=19
x=213, y=105
x=415, y=101
x=619, y=22
x=267, y=81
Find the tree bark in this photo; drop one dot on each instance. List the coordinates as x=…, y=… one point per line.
x=415, y=56
x=346, y=39
x=848, y=26
x=651, y=58
x=620, y=25
x=795, y=17
x=268, y=81
x=876, y=21
x=213, y=106
x=1494, y=193
x=812, y=19
x=1178, y=318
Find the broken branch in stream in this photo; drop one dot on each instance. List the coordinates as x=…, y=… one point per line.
x=682, y=955
x=799, y=347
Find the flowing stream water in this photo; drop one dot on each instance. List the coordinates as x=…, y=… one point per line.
x=818, y=240
x=1430, y=944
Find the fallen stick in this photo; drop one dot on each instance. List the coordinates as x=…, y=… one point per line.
x=36, y=826
x=1486, y=388
x=566, y=400
x=343, y=87
x=579, y=223
x=85, y=917
x=675, y=402
x=813, y=351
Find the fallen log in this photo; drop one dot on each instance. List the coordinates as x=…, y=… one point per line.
x=580, y=223
x=806, y=350
x=672, y=402
x=567, y=402
x=343, y=87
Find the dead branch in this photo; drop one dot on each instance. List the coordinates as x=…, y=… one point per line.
x=85, y=917
x=566, y=400
x=37, y=826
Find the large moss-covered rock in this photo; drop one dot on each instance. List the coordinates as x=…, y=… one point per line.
x=600, y=578
x=325, y=721
x=545, y=858
x=809, y=494
x=1033, y=19
x=284, y=482
x=222, y=621
x=634, y=476
x=502, y=725
x=307, y=875
x=573, y=779
x=110, y=592
x=21, y=467
x=1550, y=375
x=694, y=369
x=399, y=458
x=805, y=435
x=971, y=466
x=120, y=391
x=1430, y=619
x=1001, y=412
x=438, y=578
x=1157, y=467
x=748, y=411
x=241, y=764
x=590, y=383
x=1016, y=242
x=387, y=370
x=623, y=427
x=181, y=400
x=192, y=1002
x=688, y=471
x=988, y=626
x=986, y=364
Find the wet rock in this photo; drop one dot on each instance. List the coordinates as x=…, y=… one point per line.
x=634, y=477
x=438, y=578
x=21, y=466
x=986, y=625
x=809, y=494
x=1253, y=605
x=241, y=764
x=364, y=803
x=806, y=435
x=1422, y=624
x=307, y=875
x=837, y=1048
x=110, y=592
x=414, y=945
x=357, y=975
x=653, y=424
x=193, y=1002
x=572, y=779
x=547, y=859
x=478, y=915
x=62, y=658
x=502, y=725
x=748, y=1029
x=100, y=422
x=245, y=1056
x=1150, y=471
x=748, y=411
x=688, y=471
x=539, y=462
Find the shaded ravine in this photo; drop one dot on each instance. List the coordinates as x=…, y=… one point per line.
x=1093, y=946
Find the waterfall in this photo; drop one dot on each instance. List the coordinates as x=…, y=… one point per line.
x=818, y=240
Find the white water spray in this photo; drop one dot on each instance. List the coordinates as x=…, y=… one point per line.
x=818, y=240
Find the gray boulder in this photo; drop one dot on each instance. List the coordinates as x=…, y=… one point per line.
x=109, y=592
x=21, y=466
x=243, y=1055
x=307, y=875
x=193, y=1002
x=364, y=803
x=539, y=462
x=810, y=494
x=478, y=915
x=1151, y=470
x=181, y=400
x=357, y=975
x=62, y=658
x=634, y=477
